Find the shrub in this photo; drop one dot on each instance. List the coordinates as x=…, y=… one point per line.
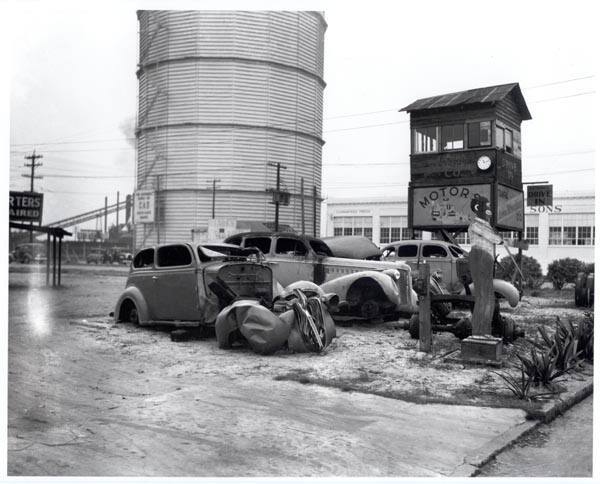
x=563, y=271
x=531, y=268
x=588, y=268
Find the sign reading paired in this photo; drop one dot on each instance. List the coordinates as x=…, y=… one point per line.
x=25, y=206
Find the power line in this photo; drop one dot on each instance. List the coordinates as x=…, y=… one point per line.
x=563, y=97
x=559, y=82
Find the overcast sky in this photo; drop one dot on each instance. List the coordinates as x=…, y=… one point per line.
x=73, y=89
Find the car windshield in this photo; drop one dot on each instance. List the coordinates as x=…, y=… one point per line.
x=320, y=247
x=205, y=254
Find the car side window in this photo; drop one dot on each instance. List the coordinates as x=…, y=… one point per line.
x=261, y=243
x=173, y=255
x=236, y=240
x=430, y=250
x=144, y=258
x=289, y=246
x=408, y=250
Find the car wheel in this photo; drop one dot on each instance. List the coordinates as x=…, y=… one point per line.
x=370, y=309
x=413, y=326
x=463, y=329
x=26, y=259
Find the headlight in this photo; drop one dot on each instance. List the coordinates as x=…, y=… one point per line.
x=393, y=273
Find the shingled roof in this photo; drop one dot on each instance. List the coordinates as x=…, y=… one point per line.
x=482, y=95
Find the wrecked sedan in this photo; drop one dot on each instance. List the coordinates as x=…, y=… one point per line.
x=185, y=284
x=370, y=289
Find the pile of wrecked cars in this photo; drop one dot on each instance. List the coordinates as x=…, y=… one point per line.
x=244, y=292
x=271, y=290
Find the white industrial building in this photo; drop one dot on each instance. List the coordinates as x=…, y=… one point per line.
x=224, y=95
x=564, y=229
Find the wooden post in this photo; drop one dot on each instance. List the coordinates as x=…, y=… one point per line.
x=48, y=258
x=59, y=258
x=425, y=338
x=53, y=260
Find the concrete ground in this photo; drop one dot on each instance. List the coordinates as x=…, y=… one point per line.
x=96, y=399
x=562, y=448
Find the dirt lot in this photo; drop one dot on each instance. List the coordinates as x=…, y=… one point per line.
x=64, y=349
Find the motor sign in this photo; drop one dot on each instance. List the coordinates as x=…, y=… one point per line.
x=26, y=206
x=143, y=212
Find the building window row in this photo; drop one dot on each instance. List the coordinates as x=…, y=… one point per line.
x=353, y=226
x=571, y=229
x=572, y=235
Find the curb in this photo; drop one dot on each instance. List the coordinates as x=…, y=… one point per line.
x=552, y=410
x=473, y=462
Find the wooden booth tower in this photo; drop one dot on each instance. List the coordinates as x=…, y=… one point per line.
x=466, y=149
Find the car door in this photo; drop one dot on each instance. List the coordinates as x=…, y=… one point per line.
x=438, y=258
x=406, y=252
x=291, y=260
x=175, y=284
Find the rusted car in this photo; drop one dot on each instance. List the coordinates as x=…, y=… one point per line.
x=185, y=284
x=448, y=261
x=368, y=288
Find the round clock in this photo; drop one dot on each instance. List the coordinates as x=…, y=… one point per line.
x=484, y=163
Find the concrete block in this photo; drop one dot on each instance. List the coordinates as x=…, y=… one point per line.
x=486, y=348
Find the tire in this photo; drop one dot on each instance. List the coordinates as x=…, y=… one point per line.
x=413, y=326
x=370, y=309
x=463, y=329
x=128, y=312
x=580, y=289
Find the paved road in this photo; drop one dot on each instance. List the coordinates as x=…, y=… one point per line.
x=562, y=448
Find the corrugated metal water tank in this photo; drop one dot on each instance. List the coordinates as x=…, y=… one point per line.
x=222, y=94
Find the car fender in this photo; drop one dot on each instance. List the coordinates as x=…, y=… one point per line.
x=342, y=284
x=136, y=296
x=505, y=289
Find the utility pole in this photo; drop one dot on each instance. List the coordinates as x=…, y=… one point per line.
x=302, y=204
x=314, y=210
x=117, y=214
x=32, y=176
x=277, y=197
x=214, y=194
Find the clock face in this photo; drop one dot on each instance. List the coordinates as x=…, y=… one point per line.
x=484, y=163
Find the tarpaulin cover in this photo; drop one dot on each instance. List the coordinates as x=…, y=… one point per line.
x=264, y=331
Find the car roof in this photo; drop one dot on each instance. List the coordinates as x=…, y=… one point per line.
x=273, y=234
x=404, y=242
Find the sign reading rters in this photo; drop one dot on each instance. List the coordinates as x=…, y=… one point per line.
x=25, y=206
x=539, y=195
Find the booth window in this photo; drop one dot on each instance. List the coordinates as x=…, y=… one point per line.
x=508, y=141
x=425, y=140
x=480, y=134
x=453, y=137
